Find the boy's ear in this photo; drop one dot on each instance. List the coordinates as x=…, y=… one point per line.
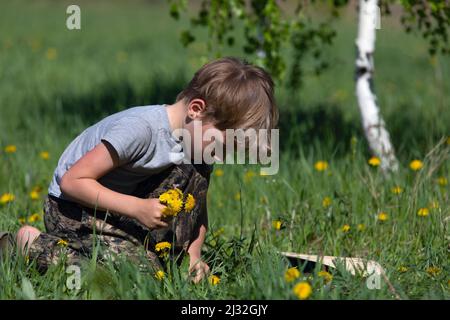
x=195, y=108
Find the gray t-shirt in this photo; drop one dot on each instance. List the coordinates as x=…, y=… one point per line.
x=142, y=138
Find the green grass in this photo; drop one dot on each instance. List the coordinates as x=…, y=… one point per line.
x=129, y=54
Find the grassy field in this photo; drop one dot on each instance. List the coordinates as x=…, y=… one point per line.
x=55, y=82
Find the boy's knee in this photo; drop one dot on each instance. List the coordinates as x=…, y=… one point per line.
x=25, y=236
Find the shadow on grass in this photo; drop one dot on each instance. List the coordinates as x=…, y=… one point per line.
x=111, y=97
x=322, y=127
x=299, y=127
x=325, y=127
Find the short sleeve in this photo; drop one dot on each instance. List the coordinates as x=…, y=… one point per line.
x=131, y=137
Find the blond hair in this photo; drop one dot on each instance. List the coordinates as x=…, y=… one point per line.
x=238, y=95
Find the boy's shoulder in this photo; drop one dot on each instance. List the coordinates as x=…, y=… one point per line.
x=154, y=114
x=142, y=120
x=137, y=131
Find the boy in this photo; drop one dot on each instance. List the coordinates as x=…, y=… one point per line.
x=106, y=185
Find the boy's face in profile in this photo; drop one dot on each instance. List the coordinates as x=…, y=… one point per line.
x=202, y=140
x=206, y=142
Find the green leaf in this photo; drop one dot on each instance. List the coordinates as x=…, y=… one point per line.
x=186, y=38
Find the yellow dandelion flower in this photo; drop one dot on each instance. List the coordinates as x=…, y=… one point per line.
x=442, y=181
x=374, y=161
x=160, y=275
x=34, y=195
x=173, y=200
x=166, y=197
x=302, y=290
x=44, y=155
x=51, y=54
x=62, y=243
x=433, y=271
x=277, y=224
x=249, y=175
x=7, y=197
x=163, y=248
x=22, y=220
x=321, y=165
x=423, y=212
x=382, y=216
x=189, y=203
x=345, y=228
x=402, y=269
x=214, y=280
x=237, y=196
x=173, y=208
x=416, y=165
x=396, y=190
x=327, y=277
x=10, y=148
x=34, y=217
x=361, y=227
x=326, y=202
x=175, y=192
x=291, y=274
x=218, y=172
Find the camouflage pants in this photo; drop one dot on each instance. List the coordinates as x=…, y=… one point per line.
x=73, y=230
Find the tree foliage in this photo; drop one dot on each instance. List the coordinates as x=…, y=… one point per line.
x=268, y=30
x=431, y=18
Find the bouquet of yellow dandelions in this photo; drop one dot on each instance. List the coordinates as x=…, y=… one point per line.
x=175, y=202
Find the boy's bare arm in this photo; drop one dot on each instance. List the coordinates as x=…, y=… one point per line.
x=197, y=266
x=80, y=183
x=195, y=247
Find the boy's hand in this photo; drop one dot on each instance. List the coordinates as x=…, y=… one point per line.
x=199, y=269
x=149, y=213
x=196, y=265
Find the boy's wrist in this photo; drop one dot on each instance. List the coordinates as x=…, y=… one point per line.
x=133, y=209
x=194, y=255
x=195, y=259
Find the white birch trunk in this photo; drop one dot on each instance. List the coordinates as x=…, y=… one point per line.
x=373, y=124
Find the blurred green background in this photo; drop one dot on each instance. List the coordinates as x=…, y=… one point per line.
x=56, y=82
